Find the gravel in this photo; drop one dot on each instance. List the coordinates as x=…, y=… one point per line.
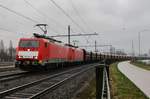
x=71, y=87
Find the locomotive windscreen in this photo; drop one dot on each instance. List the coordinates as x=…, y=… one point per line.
x=29, y=43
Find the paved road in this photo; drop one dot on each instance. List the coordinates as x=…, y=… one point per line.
x=140, y=77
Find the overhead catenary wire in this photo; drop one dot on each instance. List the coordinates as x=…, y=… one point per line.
x=42, y=14
x=30, y=19
x=28, y=3
x=6, y=30
x=19, y=14
x=67, y=15
x=80, y=17
x=87, y=41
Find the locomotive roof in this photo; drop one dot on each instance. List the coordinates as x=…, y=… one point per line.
x=38, y=37
x=29, y=38
x=51, y=39
x=46, y=37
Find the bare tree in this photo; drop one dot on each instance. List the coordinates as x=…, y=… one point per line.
x=2, y=50
x=10, y=50
x=7, y=54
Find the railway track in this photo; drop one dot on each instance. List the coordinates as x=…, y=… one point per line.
x=6, y=63
x=7, y=68
x=17, y=79
x=12, y=76
x=38, y=88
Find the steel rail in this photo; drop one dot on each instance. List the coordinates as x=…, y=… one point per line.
x=58, y=84
x=9, y=77
x=13, y=74
x=15, y=89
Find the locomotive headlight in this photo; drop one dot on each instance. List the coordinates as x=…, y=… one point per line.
x=35, y=57
x=20, y=56
x=40, y=61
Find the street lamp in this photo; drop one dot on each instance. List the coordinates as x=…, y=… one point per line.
x=139, y=38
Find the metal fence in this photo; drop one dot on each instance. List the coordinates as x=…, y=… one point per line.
x=102, y=82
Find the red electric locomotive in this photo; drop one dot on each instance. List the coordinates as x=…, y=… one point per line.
x=45, y=52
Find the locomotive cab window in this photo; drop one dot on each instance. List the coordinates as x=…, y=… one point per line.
x=29, y=43
x=46, y=45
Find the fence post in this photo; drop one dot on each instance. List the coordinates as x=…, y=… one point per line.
x=99, y=80
x=107, y=70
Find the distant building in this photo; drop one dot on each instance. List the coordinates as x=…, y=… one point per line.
x=112, y=50
x=120, y=52
x=144, y=55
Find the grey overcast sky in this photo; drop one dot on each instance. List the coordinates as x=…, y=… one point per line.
x=117, y=21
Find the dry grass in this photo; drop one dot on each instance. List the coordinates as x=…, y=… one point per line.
x=141, y=65
x=89, y=92
x=122, y=87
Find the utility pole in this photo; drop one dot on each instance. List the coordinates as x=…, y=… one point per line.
x=69, y=34
x=139, y=43
x=95, y=46
x=132, y=48
x=139, y=38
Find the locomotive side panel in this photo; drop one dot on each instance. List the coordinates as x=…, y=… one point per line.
x=79, y=55
x=58, y=53
x=43, y=51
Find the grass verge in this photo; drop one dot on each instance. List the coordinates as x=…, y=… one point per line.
x=89, y=92
x=122, y=87
x=141, y=65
